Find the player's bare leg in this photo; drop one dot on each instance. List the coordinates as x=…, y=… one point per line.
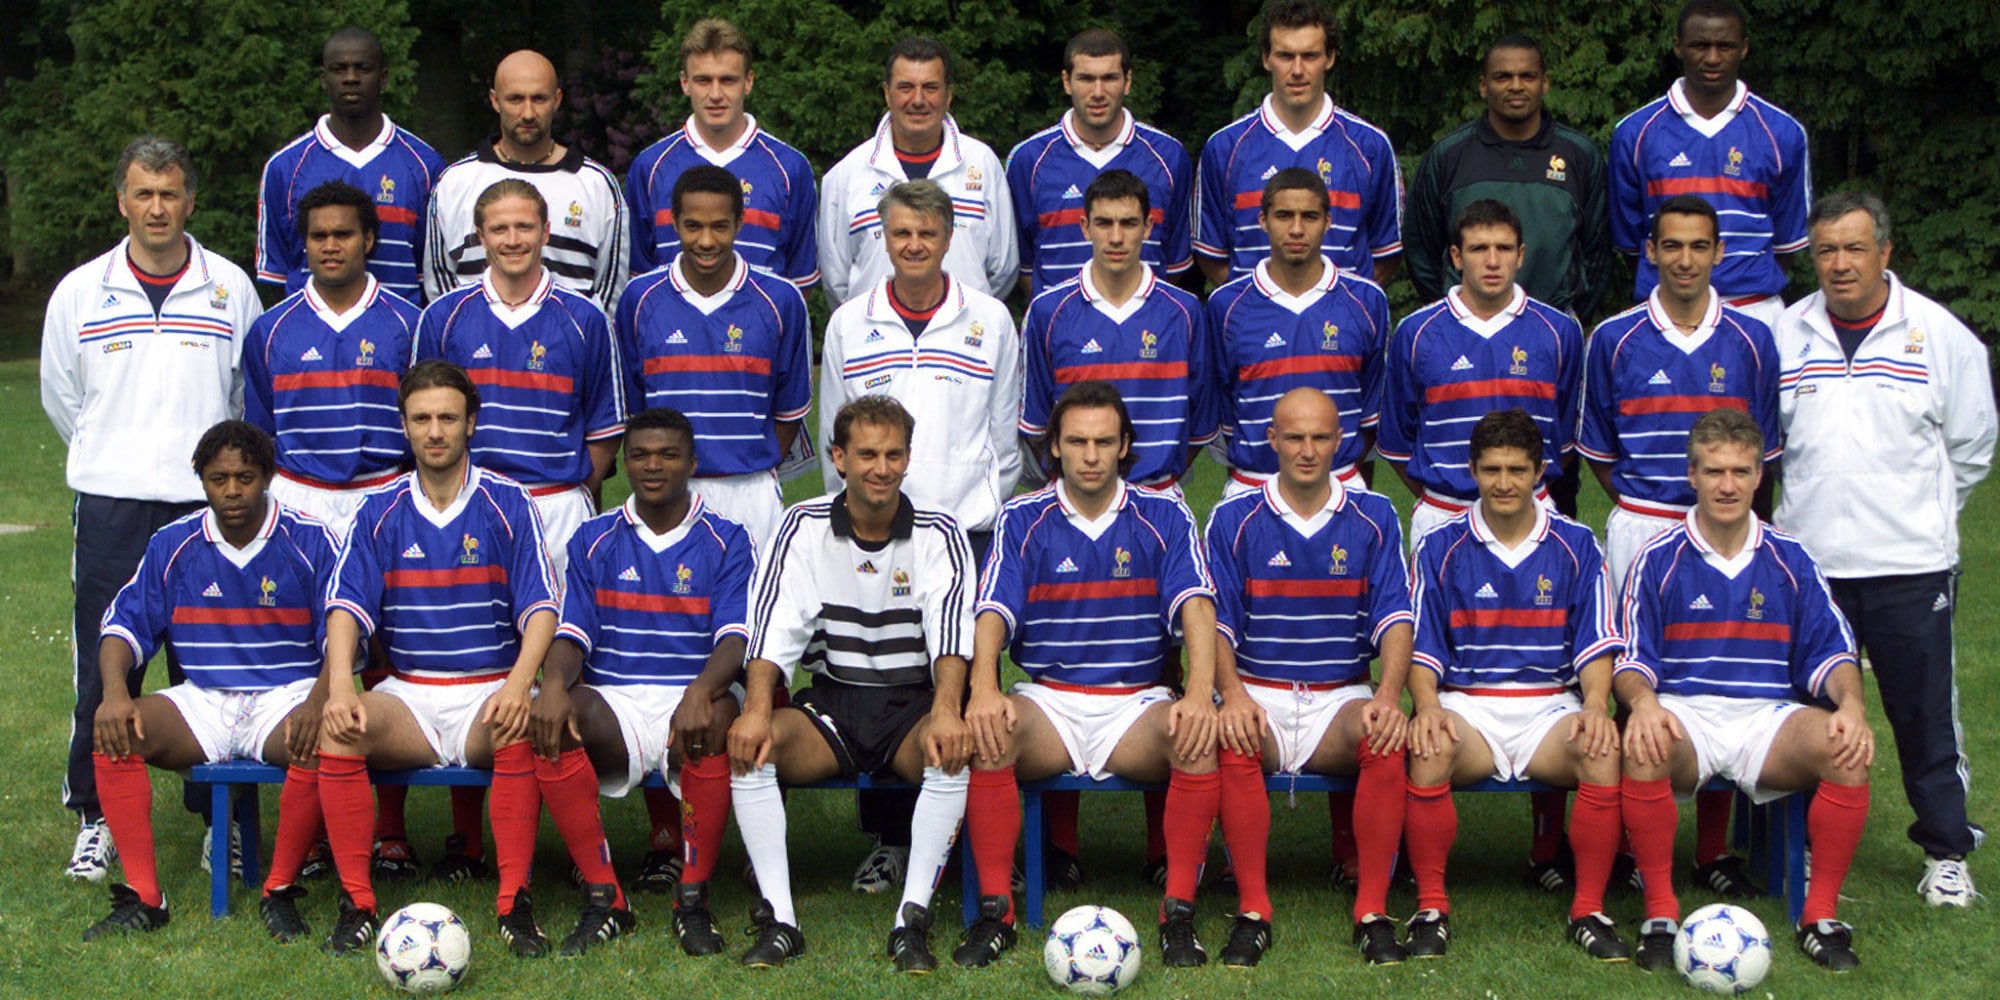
x=1651, y=815
x=1376, y=814
x=1582, y=750
x=1811, y=748
x=1453, y=753
x=300, y=823
x=392, y=741
x=1149, y=752
x=566, y=781
x=1031, y=752
x=155, y=735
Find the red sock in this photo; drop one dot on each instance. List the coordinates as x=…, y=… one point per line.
x=1246, y=828
x=516, y=808
x=705, y=788
x=389, y=802
x=1546, y=809
x=1059, y=809
x=1340, y=825
x=468, y=802
x=993, y=823
x=569, y=788
x=1711, y=825
x=1833, y=824
x=1192, y=803
x=125, y=793
x=1156, y=827
x=1430, y=825
x=299, y=824
x=665, y=813
x=345, y=802
x=1593, y=838
x=1650, y=818
x=1375, y=822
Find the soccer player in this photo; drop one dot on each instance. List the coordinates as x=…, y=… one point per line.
x=141, y=350
x=354, y=143
x=587, y=253
x=236, y=589
x=871, y=593
x=1310, y=585
x=1298, y=125
x=1049, y=172
x=781, y=205
x=320, y=369
x=447, y=565
x=1710, y=136
x=1517, y=152
x=1088, y=585
x=917, y=139
x=1513, y=654
x=1297, y=319
x=725, y=343
x=1729, y=625
x=653, y=624
x=1887, y=404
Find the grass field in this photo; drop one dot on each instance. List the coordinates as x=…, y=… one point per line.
x=1508, y=941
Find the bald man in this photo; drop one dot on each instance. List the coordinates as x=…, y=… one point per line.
x=586, y=247
x=1310, y=586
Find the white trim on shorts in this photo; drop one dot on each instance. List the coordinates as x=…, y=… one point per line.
x=1626, y=532
x=645, y=714
x=1300, y=716
x=752, y=499
x=445, y=712
x=562, y=512
x=331, y=507
x=1731, y=737
x=1090, y=725
x=235, y=725
x=1513, y=727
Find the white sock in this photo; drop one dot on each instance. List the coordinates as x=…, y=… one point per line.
x=933, y=829
x=760, y=818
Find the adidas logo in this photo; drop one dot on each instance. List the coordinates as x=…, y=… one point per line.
x=1701, y=604
x=1486, y=590
x=1090, y=347
x=1660, y=378
x=1274, y=340
x=1066, y=566
x=311, y=354
x=1072, y=192
x=1461, y=365
x=867, y=566
x=214, y=590
x=415, y=551
x=1279, y=560
x=484, y=353
x=1270, y=172
x=1680, y=160
x=631, y=575
x=676, y=338
x=874, y=337
x=109, y=301
x=1941, y=603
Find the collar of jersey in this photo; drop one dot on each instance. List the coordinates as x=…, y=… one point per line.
x=883, y=157
x=212, y=531
x=902, y=527
x=880, y=309
x=1329, y=275
x=1118, y=503
x=543, y=289
x=340, y=320
x=1893, y=314
x=1125, y=132
x=1656, y=311
x=1677, y=98
x=571, y=162
x=422, y=502
x=686, y=289
x=1477, y=519
x=1306, y=525
x=1118, y=313
x=661, y=542
x=727, y=153
x=1455, y=301
x=118, y=275
x=1269, y=112
x=354, y=157
x=1729, y=567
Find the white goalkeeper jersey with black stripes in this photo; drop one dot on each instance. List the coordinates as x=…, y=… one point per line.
x=587, y=227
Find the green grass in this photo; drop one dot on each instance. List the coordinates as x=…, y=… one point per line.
x=1508, y=940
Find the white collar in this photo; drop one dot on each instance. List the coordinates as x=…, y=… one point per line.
x=1731, y=567
x=118, y=269
x=881, y=310
x=1677, y=98
x=212, y=531
x=1329, y=275
x=721, y=157
x=339, y=321
x=708, y=303
x=1093, y=527
x=1513, y=557
x=1656, y=311
x=1099, y=158
x=883, y=157
x=1118, y=313
x=514, y=316
x=661, y=542
x=1485, y=328
x=1296, y=140
x=422, y=500
x=1305, y=526
x=354, y=157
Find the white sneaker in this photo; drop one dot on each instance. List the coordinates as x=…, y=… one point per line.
x=1946, y=882
x=235, y=850
x=882, y=870
x=91, y=859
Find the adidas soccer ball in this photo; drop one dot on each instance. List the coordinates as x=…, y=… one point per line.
x=1092, y=950
x=423, y=948
x=1723, y=949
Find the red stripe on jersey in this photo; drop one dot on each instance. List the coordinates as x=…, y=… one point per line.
x=1667, y=187
x=242, y=616
x=663, y=217
x=1680, y=404
x=1485, y=387
x=511, y=379
x=708, y=363
x=1137, y=587
x=1074, y=217
x=1308, y=588
x=392, y=213
x=1509, y=618
x=1340, y=199
x=626, y=601
x=457, y=576
x=1302, y=365
x=759, y=217
x=1762, y=631
x=1122, y=370
x=335, y=380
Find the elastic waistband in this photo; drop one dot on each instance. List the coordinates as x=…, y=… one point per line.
x=1746, y=300
x=1091, y=688
x=552, y=489
x=435, y=681
x=1454, y=505
x=1294, y=685
x=1510, y=692
x=365, y=483
x=1346, y=474
x=1664, y=511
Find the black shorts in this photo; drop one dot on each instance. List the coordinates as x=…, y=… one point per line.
x=864, y=725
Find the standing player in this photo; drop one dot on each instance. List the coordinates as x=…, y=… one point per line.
x=1049, y=172
x=1887, y=402
x=1513, y=651
x=1310, y=585
x=1728, y=624
x=1088, y=585
x=141, y=350
x=587, y=250
x=779, y=215
x=653, y=624
x=354, y=143
x=320, y=369
x=872, y=594
x=1298, y=125
x=237, y=588
x=447, y=565
x=917, y=139
x=1710, y=136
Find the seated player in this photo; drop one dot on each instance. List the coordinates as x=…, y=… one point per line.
x=235, y=588
x=654, y=604
x=1301, y=626
x=1088, y=584
x=1513, y=618
x=1729, y=624
x=446, y=564
x=872, y=595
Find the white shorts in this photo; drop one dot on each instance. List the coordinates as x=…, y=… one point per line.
x=1731, y=737
x=753, y=500
x=1765, y=310
x=445, y=712
x=645, y=714
x=1513, y=727
x=333, y=507
x=1300, y=716
x=1090, y=725
x=562, y=512
x=1243, y=482
x=1626, y=531
x=235, y=725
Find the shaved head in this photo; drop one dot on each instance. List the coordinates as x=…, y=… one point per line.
x=1305, y=405
x=526, y=69
x=352, y=37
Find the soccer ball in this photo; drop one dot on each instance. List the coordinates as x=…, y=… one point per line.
x=423, y=948
x=1723, y=949
x=1092, y=950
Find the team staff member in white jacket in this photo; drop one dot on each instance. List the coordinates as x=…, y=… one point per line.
x=141, y=353
x=916, y=139
x=1889, y=421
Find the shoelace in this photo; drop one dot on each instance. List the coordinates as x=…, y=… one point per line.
x=986, y=932
x=1950, y=878
x=1180, y=934
x=695, y=920
x=1245, y=935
